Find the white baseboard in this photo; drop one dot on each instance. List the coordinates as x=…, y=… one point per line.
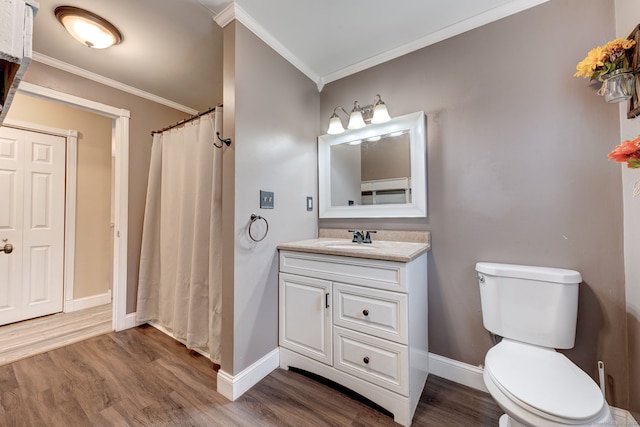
x=131, y=322
x=459, y=372
x=471, y=376
x=234, y=386
x=87, y=302
x=623, y=417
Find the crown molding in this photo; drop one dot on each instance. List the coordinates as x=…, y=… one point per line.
x=81, y=72
x=469, y=24
x=234, y=12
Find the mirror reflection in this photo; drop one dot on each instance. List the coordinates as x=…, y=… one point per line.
x=373, y=171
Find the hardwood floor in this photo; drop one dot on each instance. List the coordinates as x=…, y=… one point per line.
x=141, y=377
x=31, y=337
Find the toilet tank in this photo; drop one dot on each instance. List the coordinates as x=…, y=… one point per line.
x=535, y=305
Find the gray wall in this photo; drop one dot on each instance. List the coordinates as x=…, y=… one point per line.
x=518, y=171
x=146, y=116
x=271, y=110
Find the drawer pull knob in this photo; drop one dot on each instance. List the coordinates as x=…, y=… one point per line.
x=366, y=360
x=365, y=312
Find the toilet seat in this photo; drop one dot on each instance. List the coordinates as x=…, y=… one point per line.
x=543, y=382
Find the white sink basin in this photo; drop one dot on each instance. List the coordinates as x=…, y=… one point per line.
x=347, y=245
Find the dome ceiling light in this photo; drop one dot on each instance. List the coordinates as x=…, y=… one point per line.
x=88, y=28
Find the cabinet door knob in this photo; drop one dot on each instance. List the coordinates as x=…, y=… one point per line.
x=365, y=312
x=366, y=360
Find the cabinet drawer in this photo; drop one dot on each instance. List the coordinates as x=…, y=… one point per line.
x=389, y=275
x=372, y=311
x=378, y=361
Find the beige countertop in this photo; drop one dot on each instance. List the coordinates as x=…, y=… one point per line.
x=379, y=249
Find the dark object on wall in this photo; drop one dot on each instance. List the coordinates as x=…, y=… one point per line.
x=633, y=109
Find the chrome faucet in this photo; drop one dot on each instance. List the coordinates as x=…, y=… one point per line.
x=367, y=238
x=360, y=236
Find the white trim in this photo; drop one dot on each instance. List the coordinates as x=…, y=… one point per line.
x=20, y=124
x=70, y=218
x=623, y=418
x=130, y=321
x=87, y=302
x=234, y=386
x=121, y=226
x=55, y=63
x=459, y=372
x=234, y=11
x=469, y=24
x=72, y=100
x=120, y=134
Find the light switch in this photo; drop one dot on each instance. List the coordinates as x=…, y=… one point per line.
x=266, y=199
x=309, y=203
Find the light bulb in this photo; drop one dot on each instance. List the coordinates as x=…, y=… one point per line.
x=380, y=113
x=356, y=121
x=335, y=125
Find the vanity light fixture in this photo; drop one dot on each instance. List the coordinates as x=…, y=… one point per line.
x=88, y=28
x=375, y=113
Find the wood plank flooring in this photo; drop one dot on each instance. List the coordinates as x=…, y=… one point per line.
x=35, y=336
x=141, y=377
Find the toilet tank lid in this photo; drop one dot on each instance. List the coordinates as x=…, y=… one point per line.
x=546, y=274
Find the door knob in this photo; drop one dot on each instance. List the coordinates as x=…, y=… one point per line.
x=7, y=248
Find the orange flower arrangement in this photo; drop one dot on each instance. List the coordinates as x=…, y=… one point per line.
x=629, y=152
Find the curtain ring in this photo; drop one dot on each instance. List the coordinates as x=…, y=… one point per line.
x=255, y=218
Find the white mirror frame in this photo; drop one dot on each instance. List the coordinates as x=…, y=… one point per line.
x=415, y=123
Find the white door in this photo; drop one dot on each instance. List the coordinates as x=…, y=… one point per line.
x=305, y=316
x=32, y=179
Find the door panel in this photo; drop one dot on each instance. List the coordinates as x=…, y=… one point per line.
x=32, y=174
x=305, y=322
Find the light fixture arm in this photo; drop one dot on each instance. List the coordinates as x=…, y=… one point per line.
x=340, y=108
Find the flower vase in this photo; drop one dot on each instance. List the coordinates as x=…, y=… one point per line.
x=617, y=86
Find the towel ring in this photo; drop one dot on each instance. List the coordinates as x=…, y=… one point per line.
x=255, y=218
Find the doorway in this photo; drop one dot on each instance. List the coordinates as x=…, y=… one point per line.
x=120, y=152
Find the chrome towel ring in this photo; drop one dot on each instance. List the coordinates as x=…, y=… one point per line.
x=255, y=218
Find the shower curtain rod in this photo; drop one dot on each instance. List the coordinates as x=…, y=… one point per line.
x=187, y=120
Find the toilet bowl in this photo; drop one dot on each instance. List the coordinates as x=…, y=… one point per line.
x=537, y=386
x=534, y=310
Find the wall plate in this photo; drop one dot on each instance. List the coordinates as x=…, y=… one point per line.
x=266, y=199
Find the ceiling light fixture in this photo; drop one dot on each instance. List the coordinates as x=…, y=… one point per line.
x=87, y=27
x=375, y=113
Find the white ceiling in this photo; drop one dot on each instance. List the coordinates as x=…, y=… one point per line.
x=173, y=48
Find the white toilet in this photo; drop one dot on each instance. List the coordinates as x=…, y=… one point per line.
x=535, y=310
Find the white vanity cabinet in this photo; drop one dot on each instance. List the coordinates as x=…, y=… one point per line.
x=359, y=322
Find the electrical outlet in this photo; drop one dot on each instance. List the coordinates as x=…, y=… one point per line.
x=266, y=199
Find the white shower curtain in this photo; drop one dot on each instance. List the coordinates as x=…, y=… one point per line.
x=180, y=277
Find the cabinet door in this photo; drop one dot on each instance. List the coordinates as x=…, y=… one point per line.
x=305, y=316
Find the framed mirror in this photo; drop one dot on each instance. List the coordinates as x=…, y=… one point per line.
x=378, y=171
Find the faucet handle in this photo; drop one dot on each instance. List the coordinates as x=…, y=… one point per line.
x=358, y=236
x=367, y=238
